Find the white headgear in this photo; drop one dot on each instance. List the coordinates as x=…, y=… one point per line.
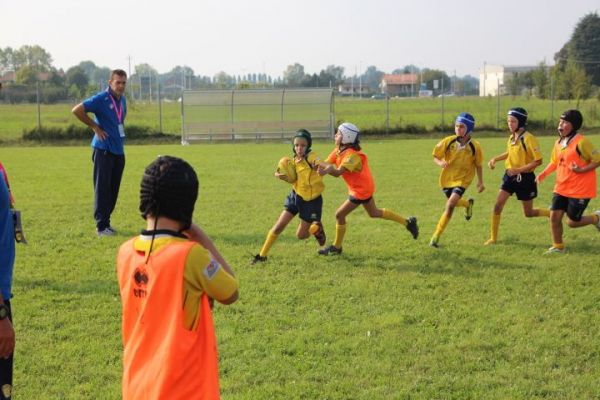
x=349, y=133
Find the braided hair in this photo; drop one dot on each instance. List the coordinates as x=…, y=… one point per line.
x=169, y=188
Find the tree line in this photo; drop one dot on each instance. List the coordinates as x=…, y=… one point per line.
x=575, y=75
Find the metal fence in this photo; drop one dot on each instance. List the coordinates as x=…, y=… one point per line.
x=256, y=114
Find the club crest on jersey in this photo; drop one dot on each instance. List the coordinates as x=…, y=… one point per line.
x=211, y=269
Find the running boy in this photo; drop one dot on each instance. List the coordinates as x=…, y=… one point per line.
x=575, y=160
x=347, y=160
x=460, y=158
x=305, y=198
x=522, y=157
x=168, y=277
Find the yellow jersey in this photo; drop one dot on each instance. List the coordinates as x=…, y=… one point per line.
x=201, y=275
x=462, y=161
x=522, y=151
x=309, y=184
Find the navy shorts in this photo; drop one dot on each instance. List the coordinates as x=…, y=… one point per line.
x=573, y=207
x=354, y=200
x=459, y=190
x=309, y=210
x=522, y=184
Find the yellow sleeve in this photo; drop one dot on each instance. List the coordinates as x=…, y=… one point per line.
x=352, y=162
x=533, y=147
x=439, y=151
x=587, y=151
x=202, y=274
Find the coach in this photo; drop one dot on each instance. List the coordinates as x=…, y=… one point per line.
x=110, y=109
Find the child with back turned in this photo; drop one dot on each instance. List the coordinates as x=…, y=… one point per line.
x=168, y=277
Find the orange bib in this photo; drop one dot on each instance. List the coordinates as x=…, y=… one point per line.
x=569, y=183
x=161, y=359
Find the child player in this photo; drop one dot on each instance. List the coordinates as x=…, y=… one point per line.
x=460, y=158
x=575, y=160
x=305, y=198
x=168, y=277
x=522, y=156
x=348, y=161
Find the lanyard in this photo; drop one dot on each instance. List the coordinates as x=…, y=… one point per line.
x=118, y=111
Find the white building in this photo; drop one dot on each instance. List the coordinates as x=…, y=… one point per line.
x=492, y=78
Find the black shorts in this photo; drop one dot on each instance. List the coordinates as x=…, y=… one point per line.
x=522, y=184
x=354, y=200
x=573, y=207
x=309, y=210
x=459, y=190
x=6, y=365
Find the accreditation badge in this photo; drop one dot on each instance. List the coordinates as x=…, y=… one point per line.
x=121, y=130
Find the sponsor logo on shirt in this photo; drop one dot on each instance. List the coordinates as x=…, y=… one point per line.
x=140, y=276
x=211, y=269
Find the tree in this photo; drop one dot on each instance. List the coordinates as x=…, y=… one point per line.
x=584, y=47
x=26, y=75
x=222, y=80
x=372, y=78
x=77, y=78
x=6, y=59
x=293, y=75
x=32, y=56
x=428, y=77
x=541, y=80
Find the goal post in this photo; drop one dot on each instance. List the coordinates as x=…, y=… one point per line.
x=255, y=114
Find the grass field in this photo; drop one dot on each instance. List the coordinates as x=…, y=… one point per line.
x=390, y=318
x=367, y=114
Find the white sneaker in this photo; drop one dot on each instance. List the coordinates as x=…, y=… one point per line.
x=105, y=232
x=554, y=250
x=597, y=212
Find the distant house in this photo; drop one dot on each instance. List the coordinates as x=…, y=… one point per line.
x=7, y=76
x=492, y=78
x=402, y=85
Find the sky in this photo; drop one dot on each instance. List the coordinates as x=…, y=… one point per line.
x=265, y=36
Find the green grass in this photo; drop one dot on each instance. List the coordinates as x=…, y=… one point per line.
x=369, y=115
x=390, y=318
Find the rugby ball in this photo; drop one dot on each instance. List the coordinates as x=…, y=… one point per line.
x=287, y=167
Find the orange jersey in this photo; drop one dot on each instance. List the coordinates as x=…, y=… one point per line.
x=357, y=176
x=162, y=359
x=572, y=184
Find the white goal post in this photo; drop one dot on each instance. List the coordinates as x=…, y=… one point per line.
x=255, y=114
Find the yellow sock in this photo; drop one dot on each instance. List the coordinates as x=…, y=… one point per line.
x=442, y=223
x=271, y=238
x=340, y=231
x=462, y=202
x=559, y=245
x=392, y=216
x=542, y=212
x=495, y=226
